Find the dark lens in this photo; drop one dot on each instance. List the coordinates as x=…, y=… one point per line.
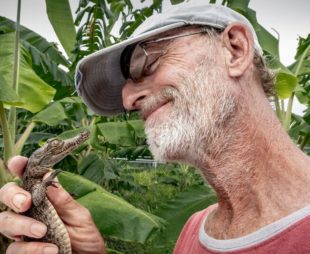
x=137, y=63
x=125, y=60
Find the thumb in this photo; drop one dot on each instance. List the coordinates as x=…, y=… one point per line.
x=64, y=203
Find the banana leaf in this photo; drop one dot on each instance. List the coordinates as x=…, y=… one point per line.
x=60, y=16
x=178, y=210
x=113, y=216
x=33, y=92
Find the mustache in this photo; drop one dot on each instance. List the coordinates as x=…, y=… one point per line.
x=151, y=103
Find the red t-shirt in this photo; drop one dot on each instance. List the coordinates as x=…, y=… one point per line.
x=289, y=235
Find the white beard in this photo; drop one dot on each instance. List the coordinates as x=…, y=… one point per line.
x=168, y=139
x=199, y=109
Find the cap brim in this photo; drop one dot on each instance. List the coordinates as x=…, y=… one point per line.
x=99, y=79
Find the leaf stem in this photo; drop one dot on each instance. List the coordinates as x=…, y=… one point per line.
x=290, y=102
x=12, y=123
x=305, y=141
x=278, y=109
x=300, y=62
x=282, y=111
x=288, y=115
x=17, y=49
x=21, y=141
x=12, y=113
x=8, y=147
x=7, y=141
x=5, y=175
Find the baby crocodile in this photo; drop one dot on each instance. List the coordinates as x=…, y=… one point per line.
x=39, y=163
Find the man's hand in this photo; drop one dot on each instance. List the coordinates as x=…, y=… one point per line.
x=85, y=237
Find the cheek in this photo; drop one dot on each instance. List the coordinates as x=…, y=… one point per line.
x=166, y=75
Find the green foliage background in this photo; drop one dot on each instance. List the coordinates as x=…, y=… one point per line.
x=139, y=209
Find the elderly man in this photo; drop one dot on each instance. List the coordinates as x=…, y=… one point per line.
x=197, y=76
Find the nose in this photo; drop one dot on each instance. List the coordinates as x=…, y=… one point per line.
x=133, y=94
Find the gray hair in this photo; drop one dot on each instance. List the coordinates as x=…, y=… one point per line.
x=265, y=74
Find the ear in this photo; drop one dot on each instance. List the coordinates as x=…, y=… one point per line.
x=239, y=42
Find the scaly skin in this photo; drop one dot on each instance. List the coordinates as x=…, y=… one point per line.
x=39, y=163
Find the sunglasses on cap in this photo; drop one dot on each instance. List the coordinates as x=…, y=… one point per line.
x=137, y=60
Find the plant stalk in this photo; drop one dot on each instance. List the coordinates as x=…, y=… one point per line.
x=7, y=145
x=21, y=141
x=17, y=49
x=290, y=102
x=12, y=113
x=288, y=115
x=305, y=141
x=12, y=123
x=278, y=109
x=7, y=141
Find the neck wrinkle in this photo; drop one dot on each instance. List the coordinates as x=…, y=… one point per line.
x=254, y=178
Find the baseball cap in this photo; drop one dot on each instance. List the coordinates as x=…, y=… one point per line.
x=99, y=79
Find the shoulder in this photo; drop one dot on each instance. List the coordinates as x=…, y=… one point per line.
x=189, y=237
x=197, y=218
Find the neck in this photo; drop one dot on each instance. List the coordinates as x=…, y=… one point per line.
x=259, y=175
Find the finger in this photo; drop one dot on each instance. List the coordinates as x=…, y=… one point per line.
x=15, y=225
x=61, y=198
x=31, y=247
x=15, y=197
x=65, y=205
x=17, y=165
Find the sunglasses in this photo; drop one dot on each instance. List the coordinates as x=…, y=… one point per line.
x=137, y=61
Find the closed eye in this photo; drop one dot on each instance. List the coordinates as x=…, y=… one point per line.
x=152, y=62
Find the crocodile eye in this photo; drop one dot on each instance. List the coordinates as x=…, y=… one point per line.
x=54, y=142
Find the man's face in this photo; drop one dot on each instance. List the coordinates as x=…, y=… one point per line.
x=184, y=99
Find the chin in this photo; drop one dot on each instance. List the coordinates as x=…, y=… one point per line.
x=164, y=155
x=171, y=140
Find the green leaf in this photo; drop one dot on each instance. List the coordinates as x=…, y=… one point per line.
x=55, y=112
x=275, y=64
x=116, y=7
x=306, y=117
x=138, y=126
x=72, y=133
x=49, y=50
x=301, y=94
x=285, y=84
x=33, y=92
x=302, y=64
x=71, y=100
x=113, y=216
x=48, y=69
x=45, y=58
x=96, y=169
x=303, y=43
x=267, y=41
x=37, y=137
x=51, y=115
x=80, y=15
x=110, y=251
x=173, y=2
x=7, y=94
x=118, y=133
x=178, y=210
x=238, y=4
x=60, y=16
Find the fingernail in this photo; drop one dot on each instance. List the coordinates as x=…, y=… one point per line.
x=19, y=199
x=38, y=229
x=50, y=250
